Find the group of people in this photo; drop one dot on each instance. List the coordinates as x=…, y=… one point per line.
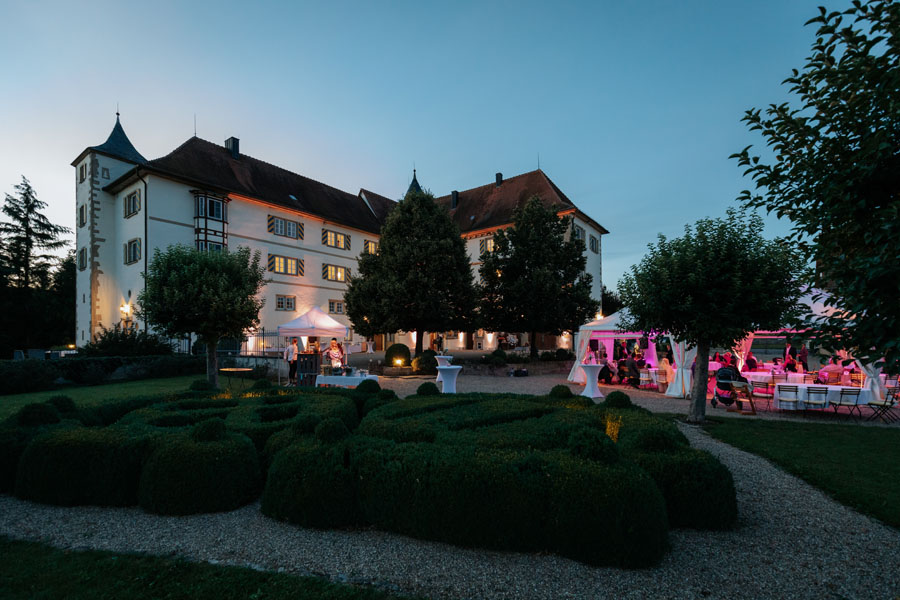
x=334, y=355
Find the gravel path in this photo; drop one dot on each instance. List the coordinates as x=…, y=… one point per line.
x=791, y=542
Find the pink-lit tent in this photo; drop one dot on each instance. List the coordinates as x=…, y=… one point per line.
x=606, y=332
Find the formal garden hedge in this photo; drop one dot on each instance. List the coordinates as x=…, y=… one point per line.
x=32, y=375
x=600, y=484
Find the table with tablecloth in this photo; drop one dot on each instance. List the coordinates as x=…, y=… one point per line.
x=834, y=392
x=766, y=377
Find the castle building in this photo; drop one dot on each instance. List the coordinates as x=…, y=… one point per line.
x=309, y=233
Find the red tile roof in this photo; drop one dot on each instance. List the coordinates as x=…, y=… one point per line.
x=491, y=205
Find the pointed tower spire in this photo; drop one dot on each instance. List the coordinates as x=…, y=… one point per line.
x=414, y=186
x=118, y=145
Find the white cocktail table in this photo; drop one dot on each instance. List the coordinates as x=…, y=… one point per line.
x=591, y=389
x=448, y=377
x=442, y=361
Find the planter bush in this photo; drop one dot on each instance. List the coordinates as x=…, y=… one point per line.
x=561, y=391
x=425, y=364
x=185, y=476
x=70, y=467
x=429, y=388
x=394, y=352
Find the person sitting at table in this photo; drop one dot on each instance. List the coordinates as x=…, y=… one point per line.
x=716, y=357
x=832, y=367
x=791, y=365
x=641, y=363
x=607, y=370
x=750, y=364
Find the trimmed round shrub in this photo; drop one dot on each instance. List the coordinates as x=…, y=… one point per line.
x=261, y=384
x=305, y=423
x=617, y=399
x=594, y=445
x=71, y=467
x=387, y=395
x=331, y=430
x=64, y=404
x=563, y=354
x=211, y=430
x=548, y=356
x=313, y=486
x=658, y=439
x=394, y=352
x=699, y=490
x=425, y=364
x=500, y=353
x=201, y=385
x=368, y=386
x=184, y=476
x=561, y=391
x=39, y=413
x=429, y=388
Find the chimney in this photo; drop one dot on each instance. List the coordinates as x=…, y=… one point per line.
x=499, y=179
x=234, y=146
x=454, y=199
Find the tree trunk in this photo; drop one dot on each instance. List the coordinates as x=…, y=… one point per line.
x=533, y=339
x=212, y=362
x=699, y=384
x=419, y=335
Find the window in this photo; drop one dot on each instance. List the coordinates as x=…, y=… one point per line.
x=132, y=251
x=334, y=273
x=214, y=209
x=132, y=203
x=279, y=226
x=336, y=307
x=370, y=247
x=285, y=265
x=335, y=239
x=82, y=172
x=578, y=233
x=486, y=245
x=285, y=302
x=105, y=173
x=595, y=245
x=82, y=259
x=204, y=206
x=212, y=246
x=82, y=215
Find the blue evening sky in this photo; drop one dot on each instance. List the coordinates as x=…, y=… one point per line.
x=633, y=106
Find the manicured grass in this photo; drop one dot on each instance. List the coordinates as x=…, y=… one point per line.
x=97, y=394
x=857, y=466
x=35, y=571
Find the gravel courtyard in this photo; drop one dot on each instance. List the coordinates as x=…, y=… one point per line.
x=791, y=541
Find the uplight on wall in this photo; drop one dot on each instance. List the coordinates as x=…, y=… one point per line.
x=125, y=309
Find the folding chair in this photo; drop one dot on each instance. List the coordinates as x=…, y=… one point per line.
x=833, y=379
x=788, y=395
x=662, y=381
x=809, y=378
x=850, y=399
x=646, y=381
x=816, y=398
x=765, y=390
x=882, y=409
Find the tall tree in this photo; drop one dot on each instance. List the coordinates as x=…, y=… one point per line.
x=713, y=286
x=211, y=294
x=28, y=236
x=419, y=280
x=534, y=280
x=835, y=173
x=63, y=289
x=610, y=301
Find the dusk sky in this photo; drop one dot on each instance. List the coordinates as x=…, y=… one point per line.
x=633, y=107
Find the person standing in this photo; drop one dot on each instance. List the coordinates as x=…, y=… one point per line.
x=335, y=354
x=803, y=356
x=789, y=351
x=290, y=355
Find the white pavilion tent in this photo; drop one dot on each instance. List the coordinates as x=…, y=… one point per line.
x=605, y=331
x=314, y=322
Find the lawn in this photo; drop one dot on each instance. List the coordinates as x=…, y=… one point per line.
x=33, y=571
x=857, y=466
x=85, y=396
